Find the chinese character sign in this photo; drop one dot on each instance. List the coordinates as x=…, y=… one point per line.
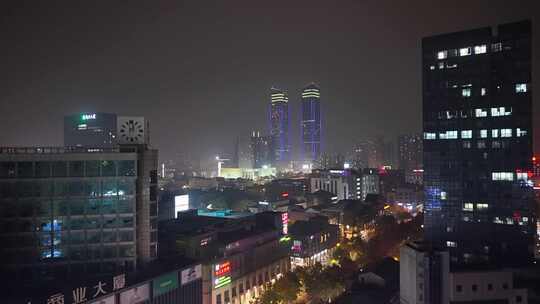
x=119, y=281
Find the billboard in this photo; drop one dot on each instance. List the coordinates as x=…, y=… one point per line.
x=106, y=300
x=191, y=274
x=181, y=203
x=136, y=294
x=165, y=283
x=222, y=268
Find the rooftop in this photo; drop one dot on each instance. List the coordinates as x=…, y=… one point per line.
x=59, y=150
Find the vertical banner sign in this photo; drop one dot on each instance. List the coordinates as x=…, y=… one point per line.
x=285, y=222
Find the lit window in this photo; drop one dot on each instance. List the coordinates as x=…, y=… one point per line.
x=497, y=220
x=480, y=49
x=466, y=134
x=483, y=91
x=483, y=133
x=441, y=65
x=481, y=144
x=509, y=221
x=494, y=133
x=451, y=66
x=525, y=219
x=449, y=135
x=442, y=55
x=465, y=51
x=432, y=67
x=496, y=47
x=443, y=195
x=521, y=88
x=506, y=132
x=480, y=113
x=522, y=176
x=481, y=206
x=500, y=111
x=496, y=144
x=468, y=207
x=466, y=92
x=430, y=135
x=451, y=244
x=465, y=218
x=520, y=132
x=502, y=176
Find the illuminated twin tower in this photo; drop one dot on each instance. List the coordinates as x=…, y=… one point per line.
x=310, y=123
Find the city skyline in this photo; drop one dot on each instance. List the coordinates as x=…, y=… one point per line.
x=145, y=69
x=270, y=153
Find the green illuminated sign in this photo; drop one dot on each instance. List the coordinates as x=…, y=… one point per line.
x=222, y=281
x=88, y=116
x=165, y=283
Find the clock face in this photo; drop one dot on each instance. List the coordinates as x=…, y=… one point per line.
x=132, y=131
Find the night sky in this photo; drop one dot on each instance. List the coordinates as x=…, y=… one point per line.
x=201, y=72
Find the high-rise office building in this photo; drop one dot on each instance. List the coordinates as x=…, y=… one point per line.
x=409, y=152
x=279, y=123
x=311, y=122
x=92, y=130
x=70, y=213
x=477, y=125
x=262, y=150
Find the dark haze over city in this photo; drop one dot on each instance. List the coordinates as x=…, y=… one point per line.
x=201, y=71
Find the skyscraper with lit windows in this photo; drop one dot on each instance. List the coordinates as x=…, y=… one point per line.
x=279, y=123
x=477, y=125
x=311, y=122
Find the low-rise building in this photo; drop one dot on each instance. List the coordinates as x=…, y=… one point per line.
x=485, y=287
x=240, y=256
x=313, y=241
x=342, y=183
x=425, y=277
x=423, y=274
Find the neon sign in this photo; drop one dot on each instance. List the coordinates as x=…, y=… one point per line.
x=285, y=222
x=88, y=116
x=222, y=281
x=222, y=268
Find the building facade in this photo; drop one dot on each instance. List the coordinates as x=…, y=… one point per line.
x=423, y=275
x=343, y=184
x=262, y=150
x=71, y=212
x=240, y=256
x=485, y=287
x=369, y=182
x=311, y=122
x=92, y=130
x=477, y=125
x=410, y=155
x=68, y=212
x=313, y=241
x=279, y=124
